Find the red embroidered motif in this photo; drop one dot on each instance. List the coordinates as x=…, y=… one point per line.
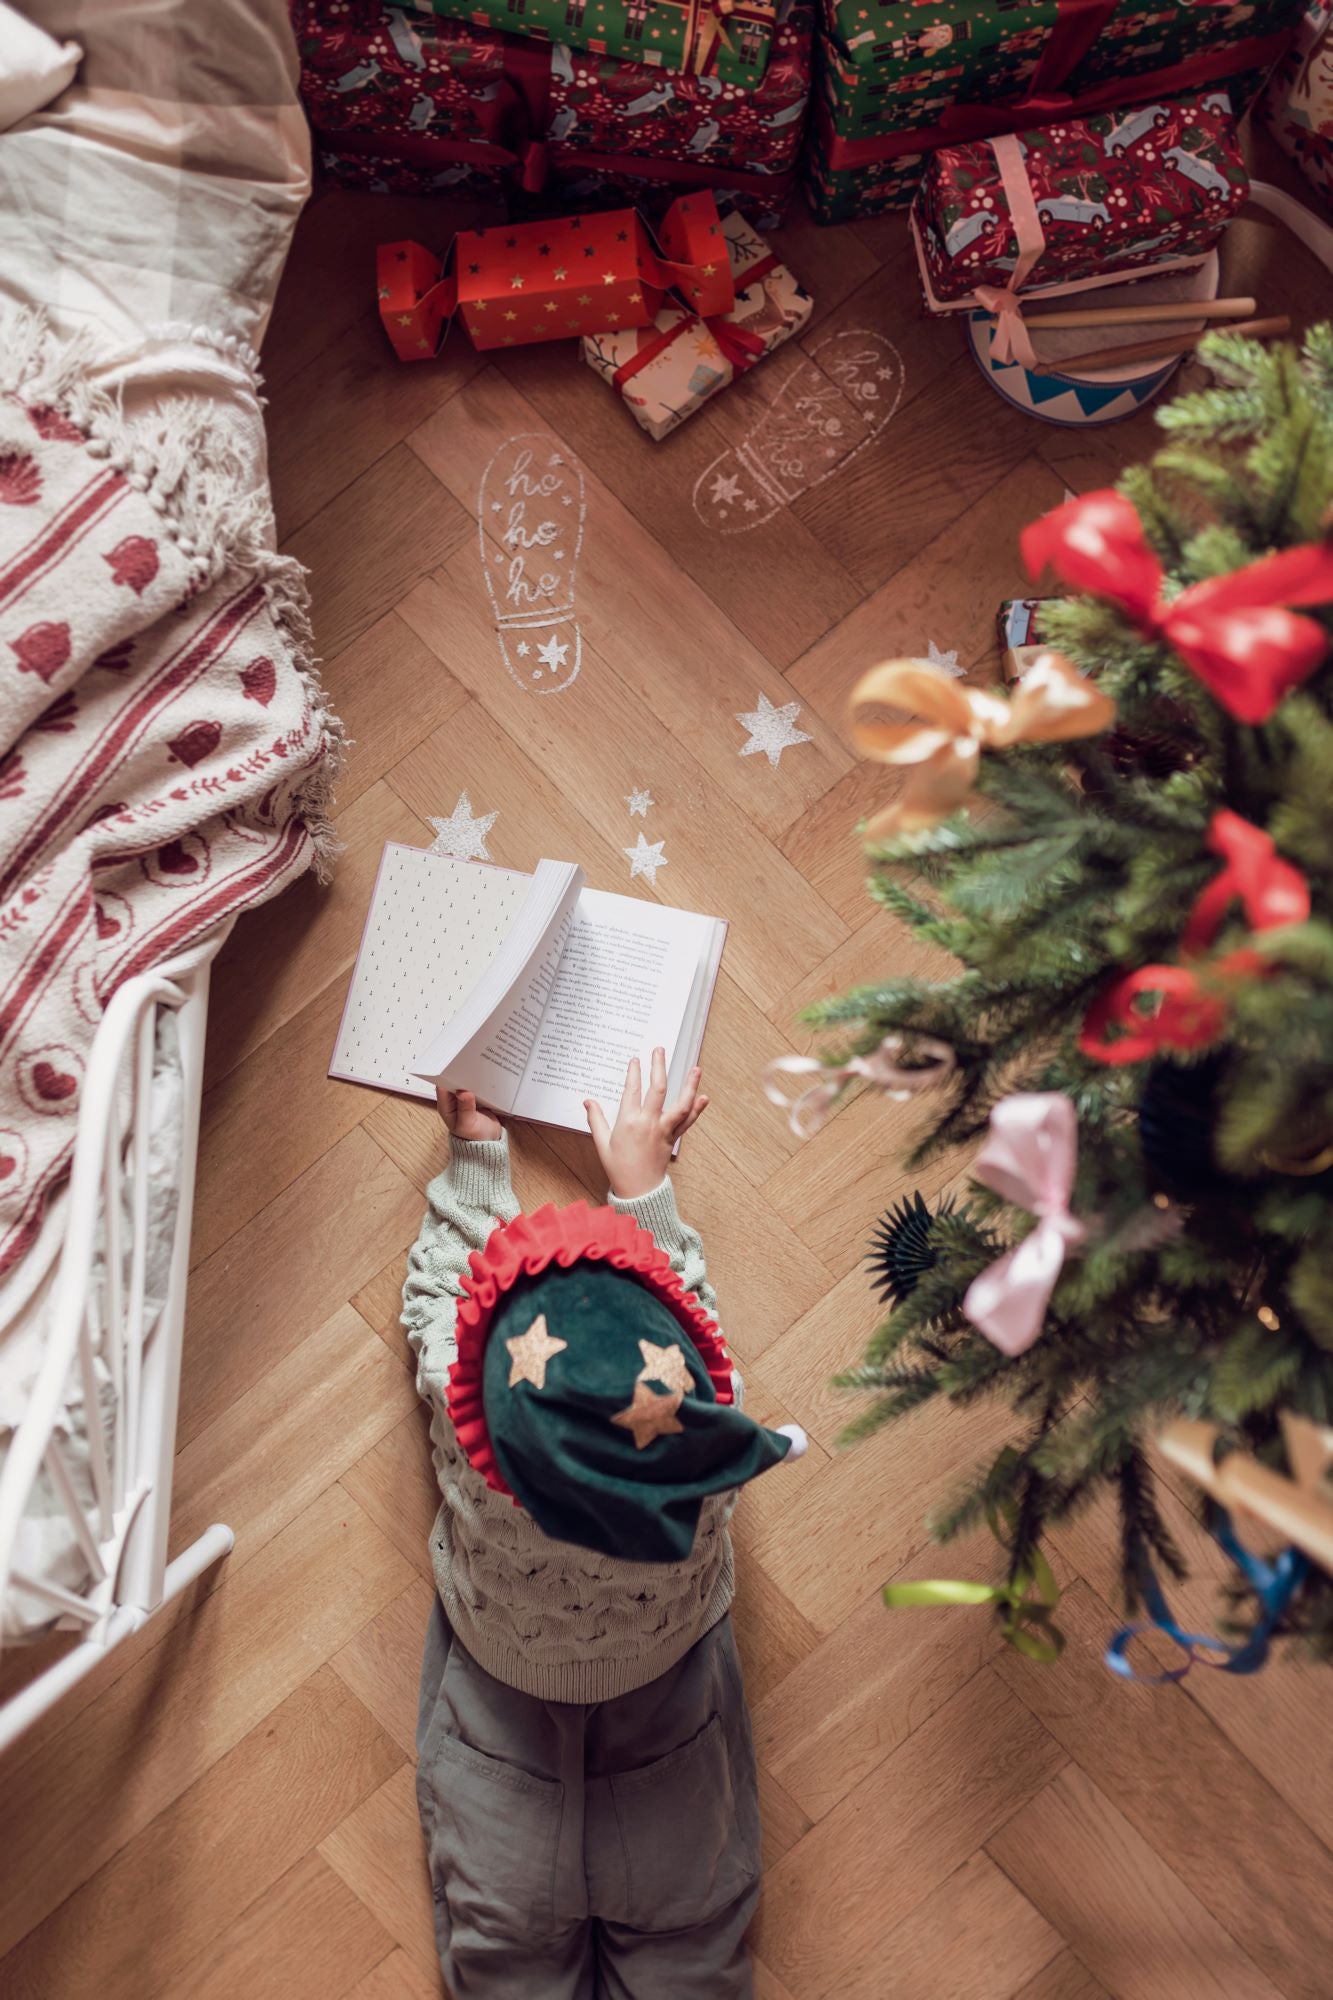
x=43, y=649
x=60, y=717
x=20, y=480
x=259, y=680
x=200, y=740
x=173, y=860
x=116, y=659
x=48, y=1079
x=134, y=562
x=13, y=776
x=53, y=424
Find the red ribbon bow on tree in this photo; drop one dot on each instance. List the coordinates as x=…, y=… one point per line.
x=1269, y=889
x=1233, y=631
x=1189, y=1015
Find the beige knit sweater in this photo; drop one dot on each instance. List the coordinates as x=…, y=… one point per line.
x=559, y=1622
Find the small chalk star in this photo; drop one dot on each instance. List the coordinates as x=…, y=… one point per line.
x=523, y=649
x=947, y=662
x=645, y=858
x=772, y=730
x=639, y=802
x=726, y=488
x=553, y=653
x=463, y=834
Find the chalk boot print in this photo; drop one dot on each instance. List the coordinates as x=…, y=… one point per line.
x=835, y=403
x=530, y=515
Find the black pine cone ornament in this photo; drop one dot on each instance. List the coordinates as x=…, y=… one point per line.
x=1177, y=1112
x=900, y=1250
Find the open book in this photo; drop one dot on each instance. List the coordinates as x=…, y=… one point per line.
x=528, y=989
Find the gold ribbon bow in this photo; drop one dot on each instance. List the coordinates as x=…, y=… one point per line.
x=942, y=751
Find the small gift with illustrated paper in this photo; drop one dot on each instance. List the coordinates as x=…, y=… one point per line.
x=669, y=369
x=1078, y=201
x=1297, y=106
x=1020, y=627
x=530, y=281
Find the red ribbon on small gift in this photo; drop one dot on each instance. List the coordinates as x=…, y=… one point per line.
x=1233, y=632
x=1269, y=890
x=738, y=344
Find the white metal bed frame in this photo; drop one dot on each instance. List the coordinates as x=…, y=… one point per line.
x=132, y=1439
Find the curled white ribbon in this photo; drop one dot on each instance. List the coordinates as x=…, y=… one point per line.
x=809, y=1111
x=1029, y=1157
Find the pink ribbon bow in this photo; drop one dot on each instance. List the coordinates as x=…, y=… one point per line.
x=1029, y=1158
x=808, y=1112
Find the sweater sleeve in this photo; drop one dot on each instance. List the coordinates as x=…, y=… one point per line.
x=657, y=1212
x=465, y=1203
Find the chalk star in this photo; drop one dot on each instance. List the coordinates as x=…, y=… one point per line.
x=554, y=653
x=522, y=649
x=461, y=834
x=947, y=662
x=726, y=488
x=650, y=1415
x=639, y=802
x=529, y=1353
x=666, y=1365
x=884, y=374
x=645, y=858
x=772, y=730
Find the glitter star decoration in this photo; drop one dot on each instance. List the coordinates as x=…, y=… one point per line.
x=947, y=662
x=639, y=802
x=645, y=858
x=666, y=1365
x=529, y=1353
x=651, y=1415
x=772, y=730
x=461, y=834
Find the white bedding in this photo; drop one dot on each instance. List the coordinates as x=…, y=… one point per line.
x=149, y=207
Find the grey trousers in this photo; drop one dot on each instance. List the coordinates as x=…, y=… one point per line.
x=601, y=1851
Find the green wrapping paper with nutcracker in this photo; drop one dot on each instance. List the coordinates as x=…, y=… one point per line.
x=899, y=80
x=728, y=39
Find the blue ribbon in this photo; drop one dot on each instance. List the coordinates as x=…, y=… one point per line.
x=1274, y=1584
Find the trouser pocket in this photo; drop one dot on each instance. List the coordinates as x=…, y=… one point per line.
x=686, y=1833
x=494, y=1838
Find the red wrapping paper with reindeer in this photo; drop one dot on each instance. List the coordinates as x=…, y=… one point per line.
x=1073, y=203
x=666, y=371
x=524, y=282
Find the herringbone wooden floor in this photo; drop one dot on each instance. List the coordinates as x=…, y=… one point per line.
x=228, y=1810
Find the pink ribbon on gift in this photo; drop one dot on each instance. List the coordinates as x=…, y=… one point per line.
x=807, y=1113
x=1029, y=1157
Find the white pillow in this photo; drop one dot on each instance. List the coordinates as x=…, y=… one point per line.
x=34, y=67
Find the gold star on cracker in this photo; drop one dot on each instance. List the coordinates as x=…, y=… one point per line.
x=651, y=1415
x=511, y=315
x=529, y=1353
x=608, y=277
x=404, y=319
x=551, y=306
x=516, y=283
x=665, y=1364
x=560, y=274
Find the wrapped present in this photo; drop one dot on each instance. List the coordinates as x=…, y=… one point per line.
x=1019, y=627
x=1297, y=106
x=471, y=98
x=726, y=39
x=1078, y=201
x=668, y=370
x=533, y=281
x=895, y=83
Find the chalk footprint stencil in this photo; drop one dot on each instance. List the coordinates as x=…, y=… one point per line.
x=807, y=434
x=530, y=516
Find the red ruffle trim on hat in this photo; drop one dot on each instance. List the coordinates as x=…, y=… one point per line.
x=529, y=1245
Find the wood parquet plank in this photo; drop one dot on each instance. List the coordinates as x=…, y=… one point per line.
x=190, y=1875
x=1065, y=1978
x=307, y=1930
x=381, y=1663
x=395, y=1484
x=974, y=1938
x=1118, y=1902
x=159, y=1729
x=399, y=1977
x=881, y=1852
x=379, y=1853
x=1173, y=1775
x=391, y=692
x=669, y=638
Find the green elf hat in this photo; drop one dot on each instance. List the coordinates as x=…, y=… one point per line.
x=594, y=1390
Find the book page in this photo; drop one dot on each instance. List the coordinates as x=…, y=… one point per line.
x=484, y=1046
x=621, y=988
x=434, y=926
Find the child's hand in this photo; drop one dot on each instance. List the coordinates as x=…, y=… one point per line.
x=464, y=1118
x=636, y=1152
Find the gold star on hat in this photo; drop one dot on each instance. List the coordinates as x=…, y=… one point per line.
x=529, y=1353
x=650, y=1415
x=665, y=1364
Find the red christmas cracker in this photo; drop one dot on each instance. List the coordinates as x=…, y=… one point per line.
x=523, y=282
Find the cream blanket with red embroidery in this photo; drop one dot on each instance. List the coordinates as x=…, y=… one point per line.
x=165, y=749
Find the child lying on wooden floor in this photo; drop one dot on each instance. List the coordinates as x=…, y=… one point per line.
x=586, y=1777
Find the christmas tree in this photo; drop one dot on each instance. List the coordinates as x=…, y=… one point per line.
x=1140, y=901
